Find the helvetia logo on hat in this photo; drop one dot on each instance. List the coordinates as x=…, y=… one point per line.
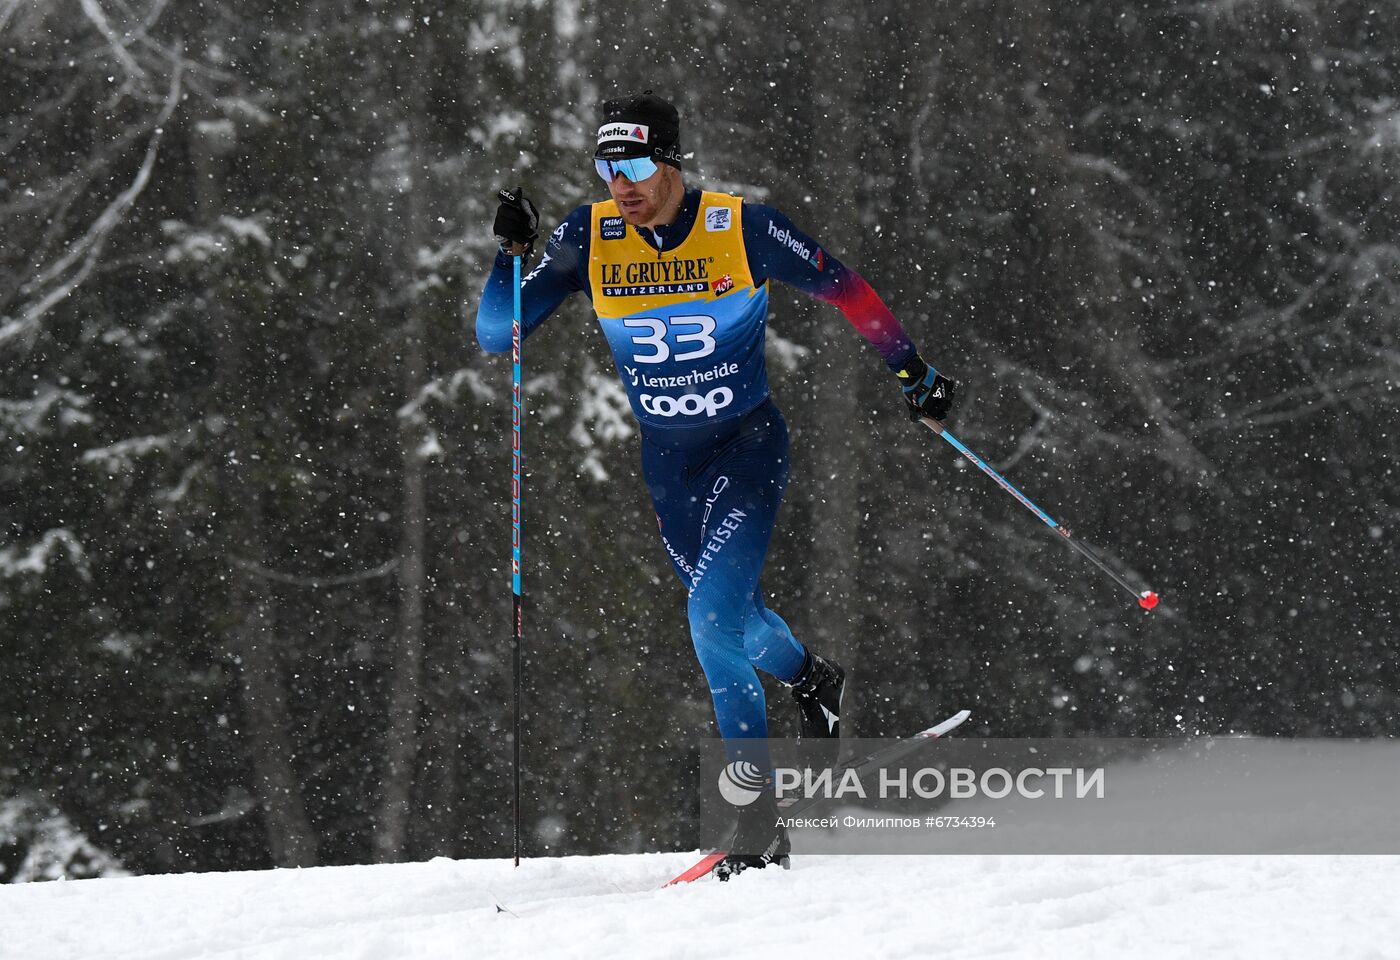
x=636, y=132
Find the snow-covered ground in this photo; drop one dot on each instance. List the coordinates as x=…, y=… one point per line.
x=1299, y=797
x=887, y=906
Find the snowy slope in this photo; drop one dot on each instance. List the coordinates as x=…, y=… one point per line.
x=890, y=906
x=1277, y=795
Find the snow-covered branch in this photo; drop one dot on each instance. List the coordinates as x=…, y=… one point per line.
x=314, y=583
x=60, y=276
x=98, y=17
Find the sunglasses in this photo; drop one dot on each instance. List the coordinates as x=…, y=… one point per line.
x=635, y=169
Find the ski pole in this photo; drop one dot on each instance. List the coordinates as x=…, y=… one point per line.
x=1146, y=599
x=517, y=639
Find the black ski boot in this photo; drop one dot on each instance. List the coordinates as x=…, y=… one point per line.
x=759, y=839
x=817, y=689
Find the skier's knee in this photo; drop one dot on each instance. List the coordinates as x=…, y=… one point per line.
x=707, y=616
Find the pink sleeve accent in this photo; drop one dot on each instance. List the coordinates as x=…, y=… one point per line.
x=862, y=306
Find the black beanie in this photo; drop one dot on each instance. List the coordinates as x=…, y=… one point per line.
x=640, y=126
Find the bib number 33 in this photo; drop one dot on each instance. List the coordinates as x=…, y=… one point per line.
x=654, y=338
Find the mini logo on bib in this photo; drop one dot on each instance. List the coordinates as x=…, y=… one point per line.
x=612, y=228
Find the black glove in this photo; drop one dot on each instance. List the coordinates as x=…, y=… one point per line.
x=517, y=221
x=927, y=392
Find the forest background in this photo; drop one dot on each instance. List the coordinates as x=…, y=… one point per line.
x=254, y=547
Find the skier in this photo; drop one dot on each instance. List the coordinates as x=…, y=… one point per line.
x=679, y=280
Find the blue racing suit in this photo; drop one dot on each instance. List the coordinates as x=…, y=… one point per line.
x=684, y=308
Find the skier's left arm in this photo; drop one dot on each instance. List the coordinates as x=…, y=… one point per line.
x=778, y=250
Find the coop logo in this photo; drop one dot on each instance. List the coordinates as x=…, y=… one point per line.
x=717, y=219
x=690, y=405
x=636, y=132
x=785, y=236
x=741, y=782
x=612, y=228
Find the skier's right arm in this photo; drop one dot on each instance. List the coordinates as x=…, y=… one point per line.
x=559, y=274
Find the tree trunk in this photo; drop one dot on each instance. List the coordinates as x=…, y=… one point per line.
x=289, y=834
x=401, y=749
x=251, y=610
x=840, y=360
x=406, y=696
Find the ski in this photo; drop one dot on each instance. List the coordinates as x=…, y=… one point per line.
x=796, y=805
x=706, y=864
x=885, y=755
